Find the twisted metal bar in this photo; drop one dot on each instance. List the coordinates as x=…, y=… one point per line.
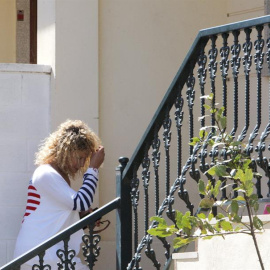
x=202, y=60
x=179, y=116
x=190, y=102
x=258, y=59
x=146, y=178
x=247, y=62
x=260, y=148
x=167, y=140
x=224, y=67
x=155, y=160
x=235, y=64
x=135, y=201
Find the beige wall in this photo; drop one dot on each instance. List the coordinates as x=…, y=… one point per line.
x=8, y=31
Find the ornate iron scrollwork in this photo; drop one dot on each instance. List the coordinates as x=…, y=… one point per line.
x=156, y=159
x=41, y=265
x=202, y=60
x=150, y=253
x=66, y=255
x=91, y=250
x=167, y=140
x=179, y=116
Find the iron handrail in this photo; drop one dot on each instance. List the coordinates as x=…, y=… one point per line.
x=91, y=218
x=180, y=79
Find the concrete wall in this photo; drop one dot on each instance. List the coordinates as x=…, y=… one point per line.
x=24, y=121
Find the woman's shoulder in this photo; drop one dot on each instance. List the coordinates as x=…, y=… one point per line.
x=44, y=170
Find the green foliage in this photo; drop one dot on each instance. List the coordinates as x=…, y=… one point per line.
x=237, y=172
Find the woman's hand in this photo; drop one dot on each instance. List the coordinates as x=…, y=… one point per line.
x=97, y=158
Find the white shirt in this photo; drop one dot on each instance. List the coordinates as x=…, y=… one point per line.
x=52, y=205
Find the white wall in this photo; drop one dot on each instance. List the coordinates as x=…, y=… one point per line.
x=24, y=121
x=235, y=252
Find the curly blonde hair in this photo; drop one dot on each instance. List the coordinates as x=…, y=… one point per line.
x=71, y=136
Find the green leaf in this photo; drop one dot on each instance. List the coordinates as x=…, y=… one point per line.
x=163, y=231
x=268, y=209
x=215, y=190
x=257, y=223
x=239, y=198
x=219, y=170
x=202, y=134
x=246, y=163
x=194, y=141
x=178, y=219
x=208, y=237
x=206, y=203
x=226, y=225
x=234, y=207
x=223, y=122
x=160, y=220
x=210, y=216
x=179, y=242
x=207, y=107
x=220, y=216
x=248, y=174
x=201, y=216
x=186, y=221
x=237, y=219
x=236, y=143
x=201, y=187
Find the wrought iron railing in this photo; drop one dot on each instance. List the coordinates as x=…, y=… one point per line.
x=232, y=62
x=90, y=240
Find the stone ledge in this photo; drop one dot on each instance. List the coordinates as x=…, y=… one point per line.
x=28, y=68
x=185, y=255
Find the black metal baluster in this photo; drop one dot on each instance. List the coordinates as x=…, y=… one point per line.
x=224, y=67
x=135, y=201
x=167, y=140
x=146, y=178
x=235, y=64
x=194, y=173
x=261, y=160
x=190, y=102
x=247, y=61
x=91, y=250
x=258, y=59
x=66, y=255
x=150, y=253
x=268, y=165
x=156, y=159
x=212, y=68
x=179, y=116
x=41, y=265
x=202, y=60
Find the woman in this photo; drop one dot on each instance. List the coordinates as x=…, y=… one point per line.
x=52, y=204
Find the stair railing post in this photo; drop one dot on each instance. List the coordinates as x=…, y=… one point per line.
x=123, y=219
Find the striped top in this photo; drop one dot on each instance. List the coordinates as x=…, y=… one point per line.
x=52, y=205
